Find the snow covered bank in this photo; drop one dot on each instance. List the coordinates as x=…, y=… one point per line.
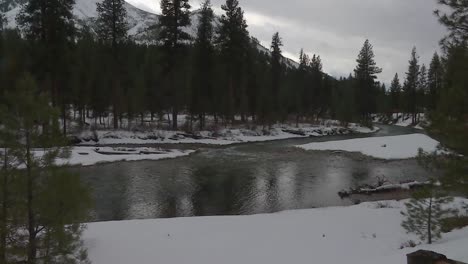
x=402, y=119
x=219, y=137
x=364, y=234
x=87, y=156
x=394, y=147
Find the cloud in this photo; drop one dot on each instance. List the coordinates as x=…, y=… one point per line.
x=336, y=29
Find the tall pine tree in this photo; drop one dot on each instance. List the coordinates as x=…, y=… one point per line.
x=112, y=31
x=276, y=76
x=435, y=80
x=233, y=42
x=202, y=92
x=395, y=93
x=365, y=75
x=50, y=24
x=411, y=85
x=175, y=15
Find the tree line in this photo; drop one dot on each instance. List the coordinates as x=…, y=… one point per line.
x=97, y=70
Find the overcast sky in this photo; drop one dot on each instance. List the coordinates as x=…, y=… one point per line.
x=336, y=29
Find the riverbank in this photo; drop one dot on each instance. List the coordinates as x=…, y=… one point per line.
x=367, y=233
x=224, y=136
x=393, y=147
x=88, y=156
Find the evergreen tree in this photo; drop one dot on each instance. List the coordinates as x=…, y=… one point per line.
x=365, y=75
x=422, y=89
x=276, y=75
x=456, y=22
x=49, y=23
x=411, y=85
x=49, y=202
x=233, y=42
x=320, y=97
x=112, y=30
x=395, y=93
x=202, y=92
x=425, y=211
x=112, y=23
x=435, y=81
x=174, y=17
x=424, y=214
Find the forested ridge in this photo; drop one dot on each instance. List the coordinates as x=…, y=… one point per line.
x=98, y=70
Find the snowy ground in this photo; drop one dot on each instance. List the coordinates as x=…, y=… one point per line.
x=224, y=136
x=402, y=119
x=365, y=234
x=394, y=147
x=87, y=156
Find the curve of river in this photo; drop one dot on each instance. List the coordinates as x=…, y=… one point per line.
x=240, y=179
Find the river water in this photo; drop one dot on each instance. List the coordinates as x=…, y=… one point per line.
x=241, y=179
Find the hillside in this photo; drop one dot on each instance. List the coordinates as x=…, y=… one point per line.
x=139, y=20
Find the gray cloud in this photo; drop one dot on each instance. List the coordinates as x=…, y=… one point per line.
x=336, y=29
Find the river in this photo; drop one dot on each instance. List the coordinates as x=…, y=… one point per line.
x=240, y=179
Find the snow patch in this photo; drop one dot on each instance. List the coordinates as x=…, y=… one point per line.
x=394, y=147
x=363, y=234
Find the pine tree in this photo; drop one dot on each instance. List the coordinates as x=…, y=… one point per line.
x=456, y=22
x=233, y=42
x=50, y=24
x=112, y=23
x=202, y=92
x=112, y=30
x=174, y=17
x=411, y=85
x=395, y=93
x=365, y=75
x=424, y=214
x=422, y=89
x=50, y=203
x=435, y=81
x=276, y=75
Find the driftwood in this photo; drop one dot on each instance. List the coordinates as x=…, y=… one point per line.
x=294, y=132
x=367, y=189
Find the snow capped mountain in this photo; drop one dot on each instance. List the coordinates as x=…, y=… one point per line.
x=138, y=20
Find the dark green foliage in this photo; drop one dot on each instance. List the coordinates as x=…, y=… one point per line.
x=233, y=43
x=175, y=16
x=49, y=21
x=274, y=107
x=202, y=93
x=112, y=29
x=435, y=82
x=425, y=211
x=410, y=86
x=395, y=94
x=365, y=74
x=112, y=21
x=44, y=204
x=456, y=22
x=424, y=215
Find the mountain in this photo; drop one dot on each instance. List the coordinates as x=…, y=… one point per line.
x=138, y=20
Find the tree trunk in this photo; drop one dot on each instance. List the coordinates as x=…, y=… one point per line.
x=429, y=223
x=3, y=220
x=174, y=118
x=32, y=247
x=116, y=117
x=64, y=118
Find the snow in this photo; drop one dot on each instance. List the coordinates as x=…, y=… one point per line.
x=403, y=120
x=394, y=147
x=225, y=136
x=365, y=234
x=87, y=156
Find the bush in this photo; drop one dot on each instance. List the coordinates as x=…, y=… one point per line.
x=451, y=223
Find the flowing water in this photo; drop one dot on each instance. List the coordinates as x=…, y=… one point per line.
x=241, y=179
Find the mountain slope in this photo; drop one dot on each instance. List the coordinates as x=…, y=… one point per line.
x=139, y=20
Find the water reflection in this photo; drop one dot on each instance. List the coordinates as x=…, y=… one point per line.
x=248, y=179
